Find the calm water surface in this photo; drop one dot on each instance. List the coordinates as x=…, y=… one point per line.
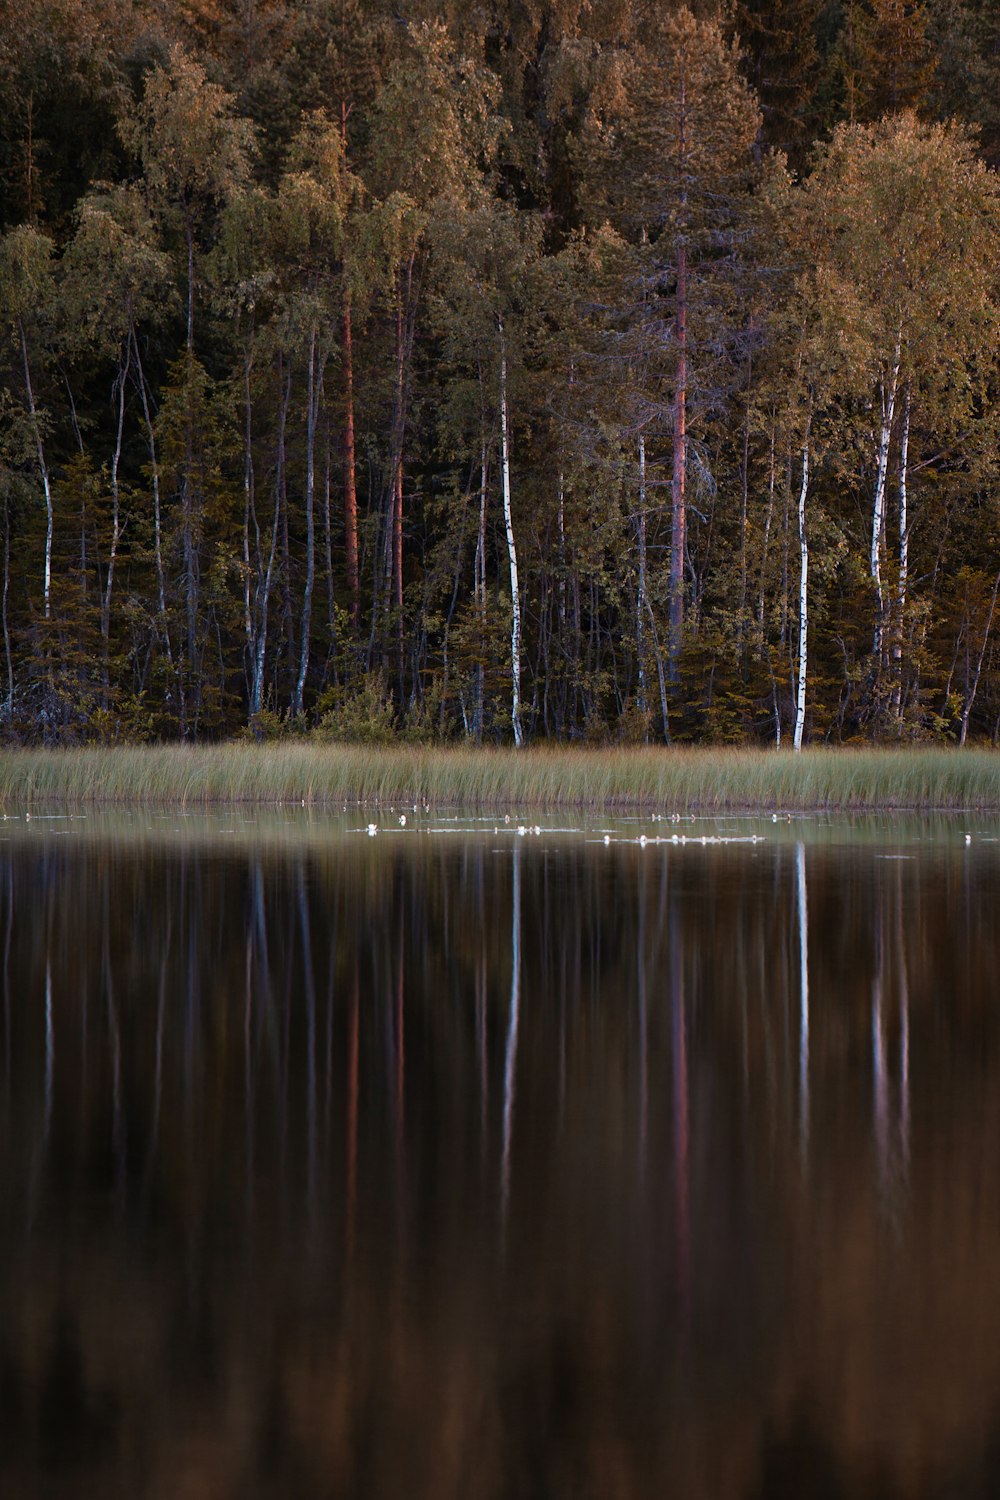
x=458, y=1163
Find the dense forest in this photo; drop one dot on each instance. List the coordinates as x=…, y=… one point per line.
x=605, y=369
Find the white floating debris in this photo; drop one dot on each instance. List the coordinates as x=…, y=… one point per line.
x=968, y=838
x=607, y=838
x=521, y=830
x=643, y=841
x=372, y=830
x=402, y=820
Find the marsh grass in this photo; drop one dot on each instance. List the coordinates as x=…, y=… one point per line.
x=497, y=779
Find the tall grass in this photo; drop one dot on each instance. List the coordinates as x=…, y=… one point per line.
x=497, y=779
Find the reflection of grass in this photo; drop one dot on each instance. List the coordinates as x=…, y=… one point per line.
x=665, y=780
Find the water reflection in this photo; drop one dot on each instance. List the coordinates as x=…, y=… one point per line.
x=470, y=1167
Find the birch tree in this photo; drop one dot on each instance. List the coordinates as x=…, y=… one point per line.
x=905, y=215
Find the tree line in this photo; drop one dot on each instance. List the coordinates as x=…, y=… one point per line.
x=620, y=370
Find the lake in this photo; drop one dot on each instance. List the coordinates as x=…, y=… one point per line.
x=460, y=1159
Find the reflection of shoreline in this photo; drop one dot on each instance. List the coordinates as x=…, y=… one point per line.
x=174, y=1259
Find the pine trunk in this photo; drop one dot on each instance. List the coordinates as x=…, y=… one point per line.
x=515, y=596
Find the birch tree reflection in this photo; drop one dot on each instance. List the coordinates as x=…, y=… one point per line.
x=495, y=1165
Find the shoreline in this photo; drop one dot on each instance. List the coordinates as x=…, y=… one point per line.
x=545, y=778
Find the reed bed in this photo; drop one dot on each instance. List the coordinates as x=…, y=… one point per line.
x=662, y=780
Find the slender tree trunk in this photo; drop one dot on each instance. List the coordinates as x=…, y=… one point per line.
x=404, y=333
x=641, y=596
x=331, y=600
x=154, y=470
x=189, y=238
x=257, y=694
x=479, y=582
x=679, y=476
x=904, y=561
x=515, y=596
x=6, y=586
x=878, y=503
x=974, y=686
x=43, y=469
x=115, y=529
x=312, y=400
x=249, y=513
x=771, y=481
x=744, y=502
x=800, y=700
x=350, y=483
x=350, y=479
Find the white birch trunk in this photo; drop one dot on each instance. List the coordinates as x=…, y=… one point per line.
x=515, y=596
x=878, y=502
x=800, y=699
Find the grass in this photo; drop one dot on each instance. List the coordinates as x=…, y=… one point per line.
x=497, y=779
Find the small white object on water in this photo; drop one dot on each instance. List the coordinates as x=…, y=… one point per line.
x=506, y=817
x=402, y=820
x=643, y=841
x=536, y=830
x=968, y=838
x=607, y=838
x=372, y=830
x=774, y=817
x=521, y=830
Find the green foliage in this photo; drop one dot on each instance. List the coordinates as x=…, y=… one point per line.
x=363, y=716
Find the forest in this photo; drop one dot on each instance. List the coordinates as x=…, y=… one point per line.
x=615, y=371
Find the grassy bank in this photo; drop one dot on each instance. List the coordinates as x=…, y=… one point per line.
x=653, y=779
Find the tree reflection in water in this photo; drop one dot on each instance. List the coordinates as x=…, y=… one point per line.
x=497, y=1167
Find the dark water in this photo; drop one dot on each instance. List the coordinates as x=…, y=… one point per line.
x=469, y=1165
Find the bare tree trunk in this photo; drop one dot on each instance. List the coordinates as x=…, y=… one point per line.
x=249, y=513
x=515, y=596
x=679, y=476
x=888, y=393
x=974, y=687
x=904, y=561
x=640, y=599
x=257, y=693
x=43, y=469
x=6, y=586
x=154, y=469
x=350, y=483
x=800, y=702
x=115, y=530
x=312, y=402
